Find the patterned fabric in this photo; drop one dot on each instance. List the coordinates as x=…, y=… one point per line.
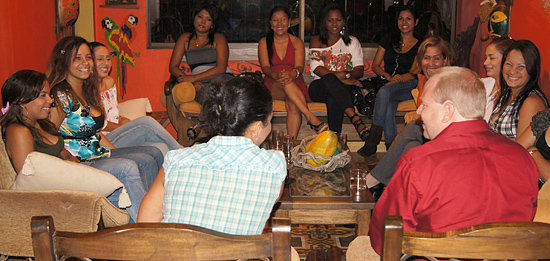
x=80, y=130
x=110, y=102
x=228, y=184
x=507, y=122
x=337, y=58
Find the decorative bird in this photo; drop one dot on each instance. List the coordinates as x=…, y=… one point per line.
x=119, y=39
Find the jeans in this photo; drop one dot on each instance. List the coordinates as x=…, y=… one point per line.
x=385, y=107
x=143, y=131
x=337, y=97
x=412, y=136
x=148, y=159
x=127, y=172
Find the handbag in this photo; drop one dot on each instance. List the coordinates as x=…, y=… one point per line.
x=363, y=99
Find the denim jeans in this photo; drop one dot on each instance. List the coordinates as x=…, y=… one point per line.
x=149, y=160
x=385, y=107
x=143, y=131
x=412, y=136
x=127, y=172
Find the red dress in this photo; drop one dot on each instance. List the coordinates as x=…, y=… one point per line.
x=286, y=64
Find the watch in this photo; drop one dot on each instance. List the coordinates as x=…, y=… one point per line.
x=348, y=75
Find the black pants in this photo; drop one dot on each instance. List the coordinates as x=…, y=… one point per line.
x=336, y=95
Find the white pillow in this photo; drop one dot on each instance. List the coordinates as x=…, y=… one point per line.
x=133, y=109
x=44, y=172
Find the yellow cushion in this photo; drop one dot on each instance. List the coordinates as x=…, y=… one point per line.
x=407, y=105
x=183, y=92
x=279, y=105
x=190, y=107
x=317, y=106
x=543, y=202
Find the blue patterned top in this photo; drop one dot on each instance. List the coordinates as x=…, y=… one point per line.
x=81, y=131
x=228, y=184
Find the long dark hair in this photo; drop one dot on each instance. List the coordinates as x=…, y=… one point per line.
x=531, y=55
x=58, y=68
x=19, y=89
x=396, y=37
x=323, y=31
x=270, y=33
x=212, y=11
x=232, y=106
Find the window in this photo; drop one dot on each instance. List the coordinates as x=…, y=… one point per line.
x=244, y=21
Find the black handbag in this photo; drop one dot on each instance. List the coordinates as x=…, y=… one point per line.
x=363, y=99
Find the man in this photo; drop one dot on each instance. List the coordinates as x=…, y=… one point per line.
x=466, y=175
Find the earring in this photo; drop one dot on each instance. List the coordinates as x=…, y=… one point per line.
x=26, y=110
x=342, y=31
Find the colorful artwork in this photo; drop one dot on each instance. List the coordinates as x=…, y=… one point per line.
x=120, y=38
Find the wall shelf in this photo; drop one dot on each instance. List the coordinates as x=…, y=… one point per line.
x=120, y=6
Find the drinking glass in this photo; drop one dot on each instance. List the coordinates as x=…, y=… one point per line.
x=277, y=139
x=288, y=144
x=358, y=180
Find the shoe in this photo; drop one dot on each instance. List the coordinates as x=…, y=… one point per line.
x=194, y=131
x=377, y=191
x=363, y=132
x=335, y=254
x=371, y=145
x=316, y=255
x=319, y=128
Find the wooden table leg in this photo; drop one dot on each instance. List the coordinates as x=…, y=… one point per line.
x=363, y=221
x=282, y=213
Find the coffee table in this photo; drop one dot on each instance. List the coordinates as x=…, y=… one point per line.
x=343, y=208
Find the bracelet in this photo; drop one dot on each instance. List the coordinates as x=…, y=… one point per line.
x=297, y=73
x=531, y=152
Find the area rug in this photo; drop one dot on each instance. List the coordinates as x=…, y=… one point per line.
x=309, y=237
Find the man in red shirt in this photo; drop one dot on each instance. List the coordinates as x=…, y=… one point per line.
x=466, y=174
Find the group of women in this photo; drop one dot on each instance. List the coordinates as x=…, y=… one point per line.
x=64, y=112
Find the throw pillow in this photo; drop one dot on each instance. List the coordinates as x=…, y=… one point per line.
x=44, y=172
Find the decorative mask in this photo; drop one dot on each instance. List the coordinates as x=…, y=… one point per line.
x=498, y=22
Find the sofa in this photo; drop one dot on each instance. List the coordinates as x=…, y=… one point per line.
x=77, y=211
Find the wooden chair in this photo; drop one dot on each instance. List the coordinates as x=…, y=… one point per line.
x=158, y=241
x=501, y=240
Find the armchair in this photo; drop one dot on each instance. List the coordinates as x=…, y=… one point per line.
x=78, y=211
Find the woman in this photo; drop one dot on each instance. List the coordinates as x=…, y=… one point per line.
x=282, y=58
x=119, y=130
x=80, y=116
x=336, y=62
x=228, y=184
x=521, y=97
x=432, y=54
x=398, y=51
x=26, y=128
x=207, y=54
x=25, y=123
x=206, y=51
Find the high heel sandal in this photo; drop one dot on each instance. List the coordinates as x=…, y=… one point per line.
x=323, y=126
x=364, y=132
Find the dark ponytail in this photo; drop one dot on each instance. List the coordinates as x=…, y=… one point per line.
x=231, y=107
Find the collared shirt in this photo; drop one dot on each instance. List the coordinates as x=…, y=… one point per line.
x=228, y=184
x=467, y=175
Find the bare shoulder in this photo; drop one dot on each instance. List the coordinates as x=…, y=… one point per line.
x=17, y=132
x=534, y=101
x=297, y=42
x=220, y=38
x=315, y=42
x=109, y=83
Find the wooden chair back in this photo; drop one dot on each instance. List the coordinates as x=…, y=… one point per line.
x=501, y=240
x=158, y=241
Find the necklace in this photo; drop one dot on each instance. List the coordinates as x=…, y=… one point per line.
x=197, y=42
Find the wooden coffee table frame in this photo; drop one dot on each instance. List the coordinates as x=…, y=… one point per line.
x=329, y=210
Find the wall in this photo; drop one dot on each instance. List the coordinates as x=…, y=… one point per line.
x=84, y=26
x=150, y=71
x=530, y=20
x=27, y=31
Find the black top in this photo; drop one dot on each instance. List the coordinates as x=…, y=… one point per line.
x=392, y=58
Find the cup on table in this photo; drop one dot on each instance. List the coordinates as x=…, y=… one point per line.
x=288, y=144
x=358, y=180
x=277, y=139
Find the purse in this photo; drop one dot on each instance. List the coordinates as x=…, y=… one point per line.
x=363, y=99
